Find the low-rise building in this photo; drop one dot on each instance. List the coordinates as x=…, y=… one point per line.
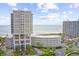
x=46, y=41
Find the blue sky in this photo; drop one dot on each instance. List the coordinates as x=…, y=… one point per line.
x=43, y=13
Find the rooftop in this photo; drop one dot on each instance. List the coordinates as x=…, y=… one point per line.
x=46, y=35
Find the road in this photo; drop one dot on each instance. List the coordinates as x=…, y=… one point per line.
x=60, y=52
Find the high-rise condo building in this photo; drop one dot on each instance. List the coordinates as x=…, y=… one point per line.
x=21, y=28
x=70, y=29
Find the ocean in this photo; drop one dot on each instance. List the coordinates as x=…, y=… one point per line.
x=47, y=29
x=5, y=29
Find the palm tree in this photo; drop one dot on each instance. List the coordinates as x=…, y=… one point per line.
x=28, y=48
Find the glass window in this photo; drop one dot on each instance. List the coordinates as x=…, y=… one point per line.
x=22, y=41
x=16, y=36
x=16, y=42
x=27, y=36
x=27, y=41
x=22, y=36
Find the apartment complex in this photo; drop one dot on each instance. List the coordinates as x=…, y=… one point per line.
x=70, y=29
x=21, y=28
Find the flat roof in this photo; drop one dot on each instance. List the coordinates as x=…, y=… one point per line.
x=46, y=36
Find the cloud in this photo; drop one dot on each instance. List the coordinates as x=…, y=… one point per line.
x=76, y=5
x=44, y=7
x=65, y=16
x=4, y=17
x=64, y=12
x=4, y=20
x=50, y=16
x=34, y=15
x=67, y=13
x=14, y=8
x=40, y=5
x=26, y=9
x=12, y=4
x=70, y=12
x=71, y=6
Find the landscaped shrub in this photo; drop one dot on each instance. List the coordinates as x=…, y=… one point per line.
x=68, y=51
x=47, y=53
x=59, y=47
x=1, y=53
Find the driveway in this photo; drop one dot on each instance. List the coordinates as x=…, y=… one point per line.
x=39, y=52
x=60, y=52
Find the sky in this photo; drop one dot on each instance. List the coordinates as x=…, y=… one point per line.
x=43, y=13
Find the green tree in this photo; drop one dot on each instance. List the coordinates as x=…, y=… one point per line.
x=2, y=41
x=30, y=50
x=51, y=48
x=49, y=51
x=1, y=53
x=68, y=52
x=17, y=51
x=69, y=43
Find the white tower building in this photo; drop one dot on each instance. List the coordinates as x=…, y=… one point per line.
x=21, y=28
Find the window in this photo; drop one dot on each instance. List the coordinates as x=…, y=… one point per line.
x=27, y=37
x=22, y=47
x=16, y=42
x=16, y=36
x=22, y=36
x=22, y=42
x=22, y=23
x=27, y=41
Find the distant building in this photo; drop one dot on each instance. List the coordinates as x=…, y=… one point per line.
x=46, y=41
x=70, y=29
x=21, y=28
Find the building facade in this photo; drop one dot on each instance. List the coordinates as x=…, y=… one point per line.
x=21, y=28
x=8, y=42
x=46, y=41
x=70, y=29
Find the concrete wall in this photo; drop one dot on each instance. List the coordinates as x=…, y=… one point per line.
x=51, y=41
